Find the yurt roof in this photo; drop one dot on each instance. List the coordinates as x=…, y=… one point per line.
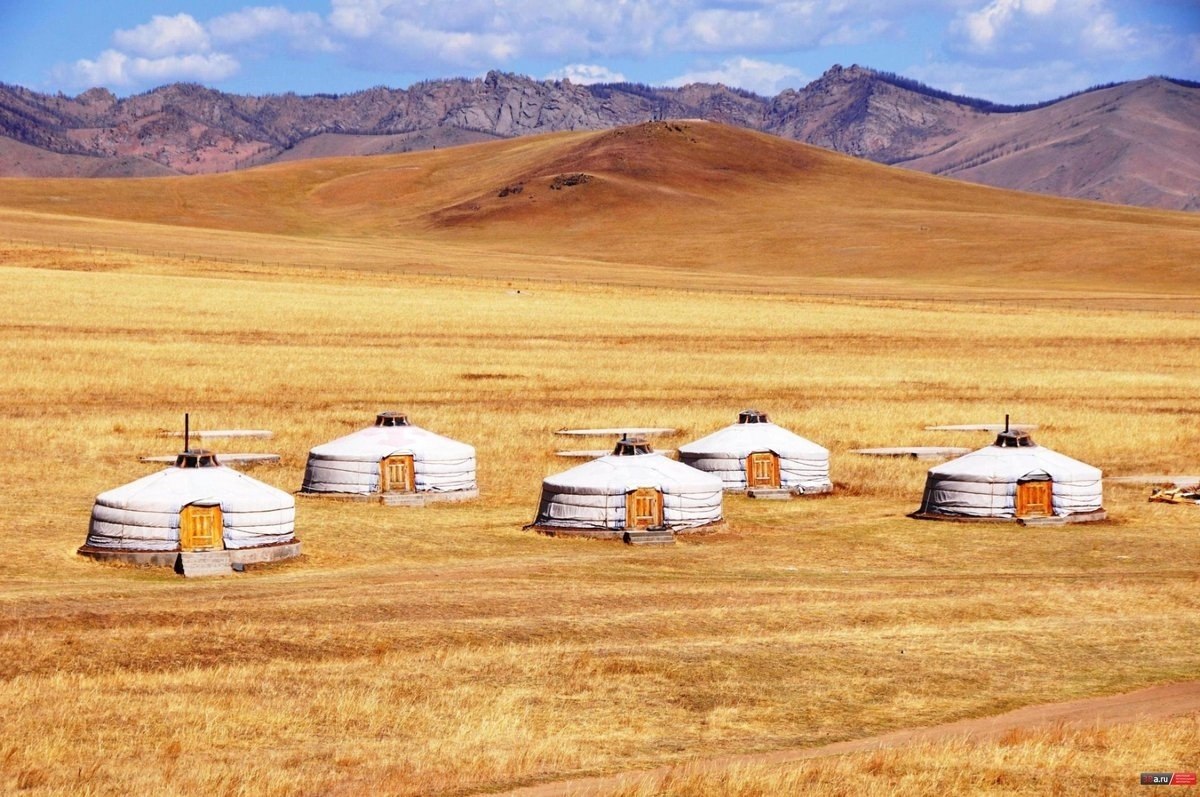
x=740, y=439
x=1005, y=463
x=613, y=474
x=377, y=442
x=171, y=489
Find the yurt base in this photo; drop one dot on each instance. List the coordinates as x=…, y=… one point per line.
x=1052, y=520
x=235, y=558
x=398, y=499
x=631, y=536
x=783, y=493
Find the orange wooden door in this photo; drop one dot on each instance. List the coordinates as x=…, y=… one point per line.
x=762, y=469
x=643, y=508
x=201, y=528
x=1034, y=499
x=396, y=474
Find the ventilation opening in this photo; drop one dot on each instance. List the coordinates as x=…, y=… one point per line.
x=752, y=416
x=1012, y=438
x=196, y=458
x=391, y=419
x=630, y=446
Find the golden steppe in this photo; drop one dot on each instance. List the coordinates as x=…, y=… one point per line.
x=700, y=271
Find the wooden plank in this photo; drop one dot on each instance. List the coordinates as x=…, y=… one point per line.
x=224, y=459
x=211, y=433
x=916, y=452
x=629, y=430
x=982, y=427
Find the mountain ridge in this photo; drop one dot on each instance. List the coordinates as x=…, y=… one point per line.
x=191, y=129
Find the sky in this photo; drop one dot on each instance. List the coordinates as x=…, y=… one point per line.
x=1008, y=51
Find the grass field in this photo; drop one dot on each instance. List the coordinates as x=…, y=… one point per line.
x=446, y=651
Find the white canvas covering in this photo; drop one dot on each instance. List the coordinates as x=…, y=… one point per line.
x=592, y=495
x=803, y=465
x=144, y=514
x=984, y=482
x=350, y=464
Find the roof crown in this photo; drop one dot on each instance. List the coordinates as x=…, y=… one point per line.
x=631, y=446
x=753, y=416
x=197, y=458
x=1014, y=438
x=390, y=418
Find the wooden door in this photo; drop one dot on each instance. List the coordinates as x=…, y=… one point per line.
x=201, y=528
x=643, y=508
x=1034, y=499
x=762, y=469
x=396, y=474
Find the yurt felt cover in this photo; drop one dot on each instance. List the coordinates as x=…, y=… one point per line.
x=350, y=464
x=803, y=465
x=144, y=514
x=984, y=482
x=592, y=495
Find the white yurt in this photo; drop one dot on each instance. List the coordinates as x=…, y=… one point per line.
x=196, y=505
x=631, y=488
x=1014, y=478
x=392, y=457
x=757, y=454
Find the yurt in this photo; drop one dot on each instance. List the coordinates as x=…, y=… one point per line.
x=630, y=489
x=1013, y=479
x=762, y=458
x=196, y=505
x=393, y=460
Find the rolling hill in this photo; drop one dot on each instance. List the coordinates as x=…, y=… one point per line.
x=664, y=202
x=1132, y=143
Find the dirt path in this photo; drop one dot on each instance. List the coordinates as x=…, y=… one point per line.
x=1155, y=703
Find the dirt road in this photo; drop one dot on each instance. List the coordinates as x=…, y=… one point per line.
x=1155, y=703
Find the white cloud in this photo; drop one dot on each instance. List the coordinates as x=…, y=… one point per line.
x=164, y=36
x=302, y=30
x=1046, y=30
x=760, y=77
x=114, y=68
x=586, y=74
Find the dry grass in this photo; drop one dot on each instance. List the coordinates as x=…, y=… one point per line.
x=447, y=651
x=1057, y=761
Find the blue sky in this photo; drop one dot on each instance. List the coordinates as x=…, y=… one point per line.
x=1002, y=50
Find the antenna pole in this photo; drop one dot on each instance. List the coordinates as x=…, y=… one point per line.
x=187, y=436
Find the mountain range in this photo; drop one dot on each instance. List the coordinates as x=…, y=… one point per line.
x=1135, y=143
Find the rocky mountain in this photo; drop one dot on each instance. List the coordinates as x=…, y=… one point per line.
x=1134, y=143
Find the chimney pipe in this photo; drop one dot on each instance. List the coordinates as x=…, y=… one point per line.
x=187, y=433
x=1006, y=422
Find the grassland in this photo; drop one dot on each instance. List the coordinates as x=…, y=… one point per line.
x=446, y=651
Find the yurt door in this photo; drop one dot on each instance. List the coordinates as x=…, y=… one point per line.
x=1034, y=499
x=201, y=528
x=762, y=469
x=396, y=474
x=643, y=508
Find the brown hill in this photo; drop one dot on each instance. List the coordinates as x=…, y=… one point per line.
x=668, y=202
x=1108, y=144
x=1134, y=144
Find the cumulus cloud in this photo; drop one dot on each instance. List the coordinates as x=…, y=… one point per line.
x=114, y=68
x=164, y=36
x=761, y=77
x=301, y=30
x=1046, y=30
x=586, y=74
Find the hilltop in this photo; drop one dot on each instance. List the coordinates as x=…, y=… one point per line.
x=1113, y=143
x=661, y=201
